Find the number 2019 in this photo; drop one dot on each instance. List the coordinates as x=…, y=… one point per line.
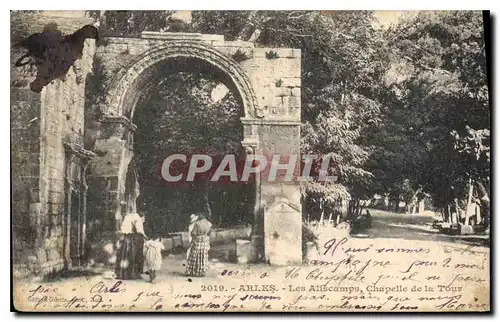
x=212, y=288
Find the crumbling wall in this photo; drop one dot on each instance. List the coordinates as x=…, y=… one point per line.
x=40, y=124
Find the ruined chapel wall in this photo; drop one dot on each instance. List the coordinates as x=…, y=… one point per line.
x=62, y=121
x=25, y=152
x=41, y=122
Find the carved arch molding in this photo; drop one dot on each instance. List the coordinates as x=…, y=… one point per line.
x=127, y=84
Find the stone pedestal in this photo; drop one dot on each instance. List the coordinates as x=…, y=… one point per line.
x=466, y=230
x=184, y=238
x=283, y=233
x=257, y=248
x=243, y=251
x=311, y=253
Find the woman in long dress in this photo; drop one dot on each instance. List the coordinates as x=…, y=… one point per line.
x=197, y=264
x=130, y=257
x=192, y=221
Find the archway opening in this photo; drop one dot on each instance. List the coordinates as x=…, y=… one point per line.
x=187, y=106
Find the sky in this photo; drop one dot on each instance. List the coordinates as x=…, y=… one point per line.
x=385, y=18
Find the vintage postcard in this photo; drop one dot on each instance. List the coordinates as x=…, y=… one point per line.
x=250, y=161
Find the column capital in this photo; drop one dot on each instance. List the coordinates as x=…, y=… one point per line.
x=250, y=146
x=74, y=149
x=118, y=126
x=120, y=119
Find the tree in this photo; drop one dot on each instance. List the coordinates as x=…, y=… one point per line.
x=445, y=92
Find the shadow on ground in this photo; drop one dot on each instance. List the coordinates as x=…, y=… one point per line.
x=58, y=276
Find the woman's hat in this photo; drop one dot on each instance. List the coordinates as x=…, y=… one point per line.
x=193, y=218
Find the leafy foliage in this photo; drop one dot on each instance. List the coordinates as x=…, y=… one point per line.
x=441, y=108
x=185, y=115
x=343, y=63
x=131, y=23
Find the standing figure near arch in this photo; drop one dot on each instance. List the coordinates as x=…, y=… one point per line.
x=192, y=221
x=153, y=260
x=130, y=257
x=197, y=263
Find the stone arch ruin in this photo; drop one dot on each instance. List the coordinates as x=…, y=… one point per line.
x=267, y=80
x=126, y=86
x=269, y=89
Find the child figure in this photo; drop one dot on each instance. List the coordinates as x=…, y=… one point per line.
x=153, y=259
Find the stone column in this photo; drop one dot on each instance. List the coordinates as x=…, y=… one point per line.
x=257, y=235
x=84, y=189
x=280, y=199
x=68, y=188
x=114, y=150
x=75, y=155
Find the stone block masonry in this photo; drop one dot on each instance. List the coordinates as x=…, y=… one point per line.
x=25, y=150
x=271, y=78
x=41, y=124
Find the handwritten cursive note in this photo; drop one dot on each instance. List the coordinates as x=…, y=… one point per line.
x=349, y=275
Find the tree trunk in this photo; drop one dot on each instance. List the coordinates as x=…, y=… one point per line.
x=444, y=215
x=449, y=219
x=255, y=35
x=351, y=209
x=412, y=203
x=206, y=199
x=469, y=203
x=360, y=207
x=343, y=214
x=485, y=202
x=102, y=20
x=483, y=192
x=457, y=211
x=386, y=203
